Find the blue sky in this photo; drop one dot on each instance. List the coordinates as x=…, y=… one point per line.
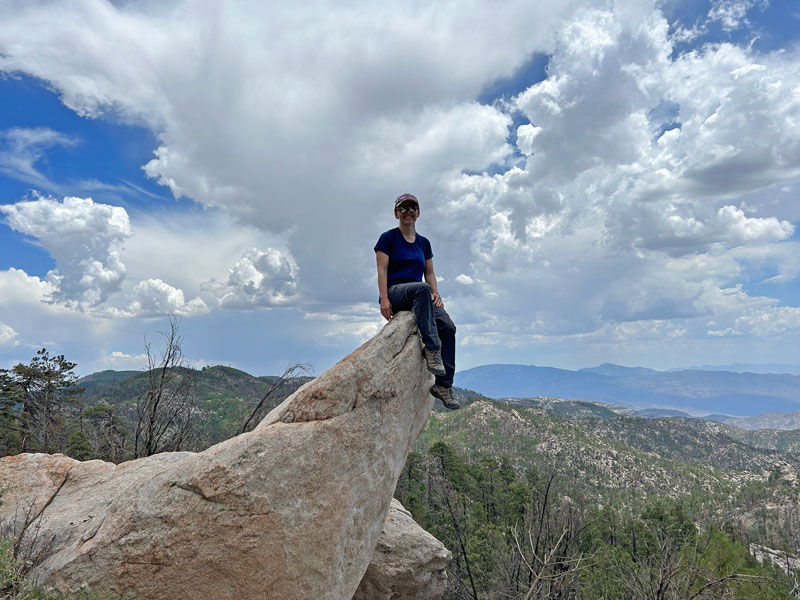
x=601, y=181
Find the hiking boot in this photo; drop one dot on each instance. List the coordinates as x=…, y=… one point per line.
x=433, y=360
x=445, y=394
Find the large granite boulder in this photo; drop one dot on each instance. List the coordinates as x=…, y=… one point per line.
x=291, y=510
x=408, y=562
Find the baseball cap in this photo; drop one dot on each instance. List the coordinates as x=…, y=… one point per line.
x=405, y=197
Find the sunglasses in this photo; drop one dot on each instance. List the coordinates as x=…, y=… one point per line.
x=405, y=209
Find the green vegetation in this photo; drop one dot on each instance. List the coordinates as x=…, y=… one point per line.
x=37, y=404
x=14, y=585
x=535, y=536
x=638, y=501
x=116, y=416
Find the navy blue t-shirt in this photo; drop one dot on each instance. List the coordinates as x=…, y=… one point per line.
x=406, y=261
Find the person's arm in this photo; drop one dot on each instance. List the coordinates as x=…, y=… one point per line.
x=383, y=289
x=430, y=279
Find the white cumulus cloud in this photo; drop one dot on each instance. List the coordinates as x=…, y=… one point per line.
x=83, y=237
x=154, y=297
x=8, y=337
x=122, y=361
x=260, y=278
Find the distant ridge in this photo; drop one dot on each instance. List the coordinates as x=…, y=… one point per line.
x=657, y=413
x=771, y=420
x=771, y=368
x=613, y=370
x=694, y=392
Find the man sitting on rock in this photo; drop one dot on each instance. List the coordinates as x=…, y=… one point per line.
x=404, y=257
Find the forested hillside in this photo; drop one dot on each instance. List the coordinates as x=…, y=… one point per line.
x=577, y=502
x=119, y=415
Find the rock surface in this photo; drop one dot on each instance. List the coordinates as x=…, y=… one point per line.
x=291, y=510
x=408, y=563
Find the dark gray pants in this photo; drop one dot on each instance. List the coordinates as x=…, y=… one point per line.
x=435, y=326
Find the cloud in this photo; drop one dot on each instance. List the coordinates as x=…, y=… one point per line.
x=261, y=278
x=31, y=322
x=16, y=286
x=191, y=251
x=438, y=139
x=84, y=239
x=8, y=337
x=464, y=279
x=601, y=222
x=294, y=103
x=744, y=229
x=358, y=322
x=153, y=297
x=122, y=361
x=21, y=148
x=732, y=14
x=770, y=322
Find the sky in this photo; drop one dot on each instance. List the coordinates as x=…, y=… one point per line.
x=601, y=181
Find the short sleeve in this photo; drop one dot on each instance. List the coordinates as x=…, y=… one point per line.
x=426, y=248
x=384, y=243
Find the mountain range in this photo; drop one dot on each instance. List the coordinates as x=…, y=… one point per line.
x=695, y=392
x=774, y=368
x=747, y=401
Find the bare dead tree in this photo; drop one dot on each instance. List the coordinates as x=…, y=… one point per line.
x=554, y=563
x=105, y=431
x=267, y=402
x=672, y=572
x=166, y=411
x=795, y=581
x=551, y=570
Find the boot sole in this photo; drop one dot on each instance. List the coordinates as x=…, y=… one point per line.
x=450, y=405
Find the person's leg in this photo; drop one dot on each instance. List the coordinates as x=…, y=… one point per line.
x=443, y=389
x=446, y=330
x=416, y=297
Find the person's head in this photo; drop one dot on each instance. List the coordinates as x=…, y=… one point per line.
x=406, y=205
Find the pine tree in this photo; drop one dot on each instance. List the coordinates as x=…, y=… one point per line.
x=37, y=402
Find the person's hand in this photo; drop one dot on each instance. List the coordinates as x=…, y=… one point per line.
x=386, y=308
x=437, y=300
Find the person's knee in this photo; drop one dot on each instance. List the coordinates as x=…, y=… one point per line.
x=421, y=288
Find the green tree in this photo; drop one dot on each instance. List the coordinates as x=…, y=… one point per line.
x=11, y=397
x=412, y=489
x=78, y=446
x=38, y=401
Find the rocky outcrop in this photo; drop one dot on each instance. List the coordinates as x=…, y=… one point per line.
x=291, y=510
x=408, y=563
